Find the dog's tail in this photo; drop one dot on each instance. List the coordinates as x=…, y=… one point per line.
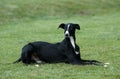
x=17, y=61
x=20, y=59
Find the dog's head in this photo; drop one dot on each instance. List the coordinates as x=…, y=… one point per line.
x=69, y=28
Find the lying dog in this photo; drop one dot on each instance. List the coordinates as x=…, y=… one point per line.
x=66, y=51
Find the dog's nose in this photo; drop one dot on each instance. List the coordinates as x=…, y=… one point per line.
x=67, y=35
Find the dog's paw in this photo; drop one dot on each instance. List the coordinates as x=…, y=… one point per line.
x=106, y=64
x=97, y=63
x=36, y=65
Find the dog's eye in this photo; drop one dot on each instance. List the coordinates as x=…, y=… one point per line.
x=71, y=29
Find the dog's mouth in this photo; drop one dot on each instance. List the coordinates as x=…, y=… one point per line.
x=67, y=35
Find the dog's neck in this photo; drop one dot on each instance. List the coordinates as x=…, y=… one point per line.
x=71, y=40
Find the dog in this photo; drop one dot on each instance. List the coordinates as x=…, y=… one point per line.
x=66, y=51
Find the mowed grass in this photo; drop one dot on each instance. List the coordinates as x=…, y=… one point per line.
x=99, y=39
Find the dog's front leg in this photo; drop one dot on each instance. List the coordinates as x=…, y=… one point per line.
x=73, y=59
x=91, y=62
x=87, y=62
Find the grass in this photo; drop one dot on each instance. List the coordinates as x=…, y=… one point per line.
x=43, y=9
x=99, y=37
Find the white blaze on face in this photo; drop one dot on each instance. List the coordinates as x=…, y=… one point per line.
x=67, y=32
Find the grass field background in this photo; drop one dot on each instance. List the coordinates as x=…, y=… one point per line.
x=24, y=21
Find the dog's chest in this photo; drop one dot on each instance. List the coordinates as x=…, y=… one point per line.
x=73, y=44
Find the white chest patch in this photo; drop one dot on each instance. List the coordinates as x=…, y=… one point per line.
x=73, y=44
x=76, y=52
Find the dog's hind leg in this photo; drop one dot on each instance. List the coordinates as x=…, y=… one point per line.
x=26, y=55
x=36, y=59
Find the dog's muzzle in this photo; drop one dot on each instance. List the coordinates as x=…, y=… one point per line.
x=67, y=34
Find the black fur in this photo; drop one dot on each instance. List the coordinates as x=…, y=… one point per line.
x=63, y=51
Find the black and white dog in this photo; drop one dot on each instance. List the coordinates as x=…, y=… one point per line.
x=66, y=51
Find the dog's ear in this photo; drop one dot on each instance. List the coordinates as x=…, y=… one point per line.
x=61, y=25
x=77, y=26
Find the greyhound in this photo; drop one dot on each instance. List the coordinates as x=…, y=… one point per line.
x=66, y=51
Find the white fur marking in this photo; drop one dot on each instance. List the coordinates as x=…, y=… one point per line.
x=72, y=42
x=67, y=32
x=76, y=52
x=38, y=61
x=37, y=65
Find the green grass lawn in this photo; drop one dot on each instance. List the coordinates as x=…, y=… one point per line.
x=99, y=37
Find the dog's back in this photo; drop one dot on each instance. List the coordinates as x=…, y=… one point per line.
x=50, y=53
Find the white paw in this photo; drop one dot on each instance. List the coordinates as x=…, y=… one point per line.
x=106, y=64
x=36, y=65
